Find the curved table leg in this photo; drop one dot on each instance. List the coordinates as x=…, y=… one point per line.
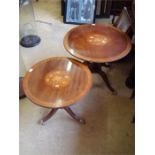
x=48, y=116
x=104, y=77
x=96, y=68
x=74, y=116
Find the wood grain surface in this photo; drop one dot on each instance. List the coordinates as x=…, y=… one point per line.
x=57, y=82
x=97, y=43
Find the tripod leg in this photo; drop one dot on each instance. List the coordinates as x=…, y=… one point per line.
x=48, y=116
x=104, y=77
x=96, y=68
x=74, y=116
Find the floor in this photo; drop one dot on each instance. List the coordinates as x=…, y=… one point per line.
x=108, y=130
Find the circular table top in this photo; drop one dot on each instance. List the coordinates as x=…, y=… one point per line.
x=57, y=82
x=97, y=43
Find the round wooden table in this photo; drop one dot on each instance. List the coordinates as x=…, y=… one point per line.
x=57, y=83
x=97, y=44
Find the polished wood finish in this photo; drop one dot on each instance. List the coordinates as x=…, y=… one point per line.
x=97, y=43
x=48, y=116
x=57, y=82
x=68, y=110
x=74, y=116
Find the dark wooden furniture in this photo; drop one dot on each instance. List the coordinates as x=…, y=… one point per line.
x=113, y=7
x=96, y=45
x=123, y=22
x=117, y=6
x=57, y=83
x=105, y=8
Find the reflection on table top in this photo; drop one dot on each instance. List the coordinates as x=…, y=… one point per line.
x=57, y=82
x=97, y=43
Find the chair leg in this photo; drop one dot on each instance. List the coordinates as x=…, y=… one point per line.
x=74, y=116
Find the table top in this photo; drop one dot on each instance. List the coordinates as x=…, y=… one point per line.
x=57, y=82
x=97, y=43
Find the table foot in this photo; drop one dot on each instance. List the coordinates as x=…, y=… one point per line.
x=41, y=122
x=74, y=116
x=48, y=116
